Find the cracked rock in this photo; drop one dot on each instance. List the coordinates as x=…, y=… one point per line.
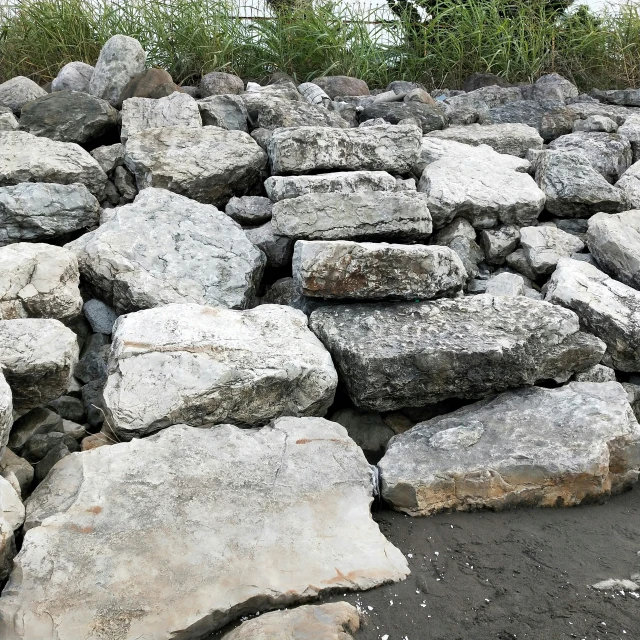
x=543, y=246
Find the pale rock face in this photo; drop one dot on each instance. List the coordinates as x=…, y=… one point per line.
x=38, y=281
x=631, y=131
x=597, y=373
x=166, y=248
x=11, y=507
x=271, y=112
x=37, y=211
x=121, y=59
x=406, y=355
x=249, y=210
x=74, y=76
x=552, y=86
x=176, y=110
x=505, y=284
x=263, y=519
x=17, y=471
x=6, y=417
x=607, y=308
x=529, y=447
x=333, y=621
x=388, y=147
x=205, y=365
x=16, y=92
x=364, y=215
x=376, y=271
x=543, y=247
x=284, y=187
x=460, y=236
x=37, y=357
x=629, y=184
x=596, y=123
x=614, y=241
x=109, y=157
x=209, y=164
x=8, y=122
x=7, y=549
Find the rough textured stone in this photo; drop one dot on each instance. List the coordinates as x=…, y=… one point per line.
x=543, y=247
x=166, y=248
x=93, y=359
x=217, y=83
x=630, y=130
x=626, y=97
x=460, y=236
x=38, y=281
x=505, y=284
x=11, y=507
x=513, y=139
x=272, y=112
x=486, y=97
x=121, y=59
x=145, y=84
x=8, y=122
x=376, y=271
x=32, y=423
x=278, y=249
x=6, y=416
x=210, y=365
x=597, y=373
x=7, y=549
x=529, y=112
x=530, y=447
x=518, y=262
x=17, y=471
x=408, y=355
x=477, y=80
x=367, y=429
x=303, y=483
x=629, y=184
x=227, y=112
x=552, y=86
x=431, y=118
x=74, y=76
x=392, y=148
x=109, y=157
x=499, y=243
x=596, y=123
x=208, y=164
x=100, y=316
x=18, y=91
x=614, y=241
x=37, y=357
x=365, y=215
x=40, y=211
x=342, y=86
x=607, y=308
x=556, y=123
x=69, y=116
x=68, y=408
x=249, y=210
x=176, y=110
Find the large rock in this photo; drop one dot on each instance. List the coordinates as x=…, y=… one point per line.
x=37, y=211
x=530, y=447
x=485, y=97
x=209, y=164
x=69, y=116
x=11, y=507
x=121, y=59
x=28, y=158
x=18, y=91
x=249, y=210
x=625, y=97
x=629, y=184
x=513, y=139
x=271, y=112
x=499, y=243
x=364, y=215
x=607, y=308
x=336, y=86
x=176, y=110
x=205, y=365
x=74, y=76
x=38, y=281
x=376, y=271
x=283, y=187
x=219, y=83
x=392, y=148
x=166, y=248
x=543, y=247
x=631, y=131
x=262, y=519
x=37, y=357
x=552, y=86
x=573, y=188
x=227, y=112
x=614, y=241
x=478, y=184
x=529, y=112
x=460, y=236
x=408, y=355
x=430, y=118
x=147, y=85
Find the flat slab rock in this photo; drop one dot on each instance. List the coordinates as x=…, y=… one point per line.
x=204, y=365
x=376, y=271
x=530, y=447
x=391, y=356
x=543, y=246
x=261, y=519
x=166, y=248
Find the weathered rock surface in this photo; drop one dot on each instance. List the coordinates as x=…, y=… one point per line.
x=596, y=123
x=271, y=112
x=209, y=164
x=333, y=621
x=529, y=112
x=38, y=281
x=625, y=97
x=365, y=215
x=530, y=447
x=11, y=507
x=28, y=158
x=148, y=84
x=226, y=111
x=336, y=86
x=552, y=86
x=264, y=519
x=205, y=365
x=18, y=91
x=460, y=236
x=407, y=355
x=166, y=248
x=39, y=211
x=109, y=157
x=37, y=357
x=6, y=417
x=505, y=284
x=121, y=59
x=499, y=243
x=631, y=131
x=607, y=308
x=614, y=241
x=597, y=373
x=367, y=428
x=392, y=148
x=376, y=271
x=17, y=471
x=74, y=76
x=249, y=210
x=219, y=83
x=431, y=118
x=8, y=122
x=7, y=549
x=543, y=246
x=278, y=249
x=629, y=184
x=283, y=187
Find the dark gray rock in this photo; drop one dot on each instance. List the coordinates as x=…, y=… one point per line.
x=100, y=316
x=93, y=360
x=278, y=249
x=33, y=422
x=69, y=408
x=479, y=80
x=249, y=210
x=430, y=118
x=226, y=111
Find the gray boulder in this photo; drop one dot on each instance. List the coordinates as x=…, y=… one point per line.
x=505, y=284
x=165, y=248
x=100, y=316
x=366, y=428
x=543, y=247
x=8, y=122
x=630, y=130
x=409, y=355
x=74, y=76
x=529, y=112
x=499, y=243
x=552, y=86
x=485, y=97
x=17, y=471
x=121, y=59
x=218, y=83
x=624, y=97
x=365, y=215
x=208, y=165
x=376, y=271
x=32, y=423
x=336, y=86
x=607, y=308
x=18, y=91
x=210, y=365
x=11, y=507
x=392, y=148
x=530, y=447
x=596, y=123
x=278, y=249
x=227, y=112
x=6, y=420
x=249, y=210
x=597, y=373
x=109, y=157
x=272, y=112
x=431, y=118
x=629, y=184
x=460, y=236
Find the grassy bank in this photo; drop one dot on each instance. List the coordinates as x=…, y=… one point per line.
x=192, y=37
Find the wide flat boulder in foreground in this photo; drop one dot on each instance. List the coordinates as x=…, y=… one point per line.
x=204, y=365
x=173, y=536
x=391, y=356
x=530, y=447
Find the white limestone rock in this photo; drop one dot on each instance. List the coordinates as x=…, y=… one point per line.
x=543, y=247
x=16, y=92
x=629, y=184
x=74, y=76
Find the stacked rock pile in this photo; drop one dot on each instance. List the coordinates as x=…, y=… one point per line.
x=221, y=303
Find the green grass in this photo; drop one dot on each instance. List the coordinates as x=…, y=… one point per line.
x=192, y=37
